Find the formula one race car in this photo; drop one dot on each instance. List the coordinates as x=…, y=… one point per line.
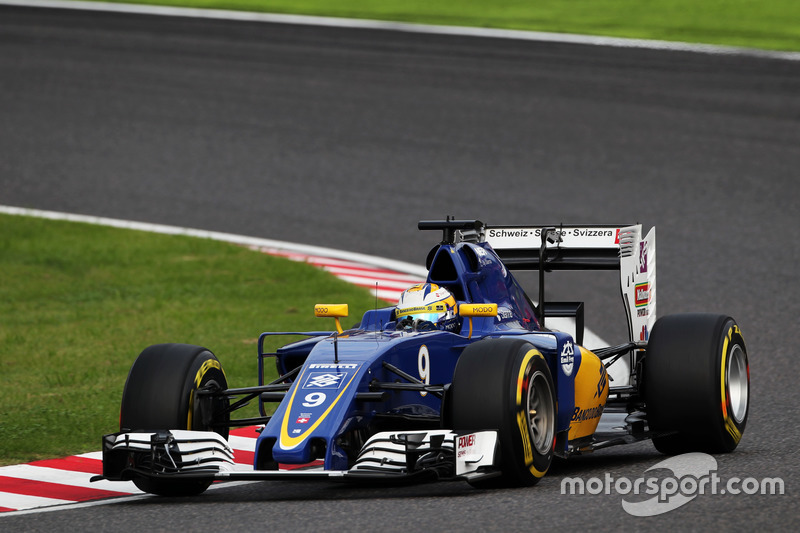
x=463, y=379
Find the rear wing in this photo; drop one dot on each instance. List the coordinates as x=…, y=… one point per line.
x=556, y=247
x=587, y=247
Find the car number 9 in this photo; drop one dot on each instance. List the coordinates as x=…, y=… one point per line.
x=314, y=399
x=424, y=367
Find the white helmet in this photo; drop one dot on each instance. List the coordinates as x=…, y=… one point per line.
x=427, y=302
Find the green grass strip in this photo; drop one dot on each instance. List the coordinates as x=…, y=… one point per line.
x=79, y=302
x=768, y=24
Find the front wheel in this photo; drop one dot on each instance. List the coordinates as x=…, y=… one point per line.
x=505, y=385
x=696, y=383
x=160, y=394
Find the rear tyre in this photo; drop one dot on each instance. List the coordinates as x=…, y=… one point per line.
x=696, y=383
x=505, y=385
x=160, y=394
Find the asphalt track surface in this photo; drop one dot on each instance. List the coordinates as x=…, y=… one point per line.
x=345, y=138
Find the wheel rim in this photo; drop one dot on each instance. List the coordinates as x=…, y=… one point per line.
x=736, y=383
x=540, y=413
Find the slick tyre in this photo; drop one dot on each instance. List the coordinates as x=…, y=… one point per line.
x=160, y=393
x=505, y=385
x=696, y=384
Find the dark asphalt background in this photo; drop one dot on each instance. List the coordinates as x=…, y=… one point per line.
x=345, y=138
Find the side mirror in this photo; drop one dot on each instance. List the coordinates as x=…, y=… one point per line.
x=471, y=310
x=336, y=311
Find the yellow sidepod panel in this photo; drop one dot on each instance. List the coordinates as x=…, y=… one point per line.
x=591, y=393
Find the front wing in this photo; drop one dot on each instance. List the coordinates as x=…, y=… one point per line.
x=406, y=456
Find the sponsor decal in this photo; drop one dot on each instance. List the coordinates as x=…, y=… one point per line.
x=522, y=233
x=643, y=256
x=484, y=258
x=334, y=366
x=332, y=310
x=416, y=310
x=642, y=295
x=644, y=335
x=497, y=233
x=304, y=418
x=323, y=380
x=591, y=232
x=567, y=358
x=466, y=440
x=522, y=423
x=581, y=415
x=644, y=311
x=207, y=365
x=601, y=384
x=465, y=444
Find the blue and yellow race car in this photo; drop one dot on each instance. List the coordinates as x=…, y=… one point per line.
x=466, y=378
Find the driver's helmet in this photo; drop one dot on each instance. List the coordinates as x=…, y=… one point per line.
x=427, y=304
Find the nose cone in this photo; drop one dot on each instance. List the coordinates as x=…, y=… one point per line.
x=312, y=413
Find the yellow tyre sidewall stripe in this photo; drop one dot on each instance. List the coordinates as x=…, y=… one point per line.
x=522, y=418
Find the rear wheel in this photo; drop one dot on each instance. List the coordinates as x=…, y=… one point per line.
x=505, y=385
x=696, y=383
x=160, y=394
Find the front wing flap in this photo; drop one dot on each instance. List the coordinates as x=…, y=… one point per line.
x=166, y=453
x=445, y=453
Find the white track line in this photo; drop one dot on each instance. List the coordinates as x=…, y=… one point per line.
x=369, y=275
x=92, y=455
x=22, y=502
x=95, y=503
x=46, y=474
x=334, y=22
x=370, y=282
x=389, y=264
